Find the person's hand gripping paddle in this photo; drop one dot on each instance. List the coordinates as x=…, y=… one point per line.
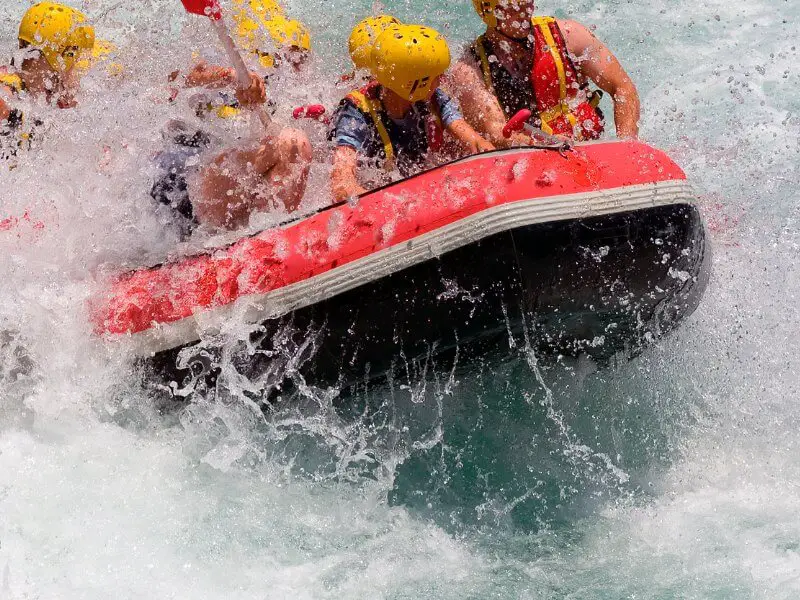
x=519, y=122
x=212, y=10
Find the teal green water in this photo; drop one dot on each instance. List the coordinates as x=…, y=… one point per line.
x=671, y=476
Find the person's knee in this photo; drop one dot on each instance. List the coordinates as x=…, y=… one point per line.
x=294, y=146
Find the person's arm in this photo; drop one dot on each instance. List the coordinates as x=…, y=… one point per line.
x=479, y=106
x=351, y=133
x=469, y=139
x=210, y=76
x=344, y=178
x=5, y=110
x=213, y=77
x=454, y=123
x=596, y=62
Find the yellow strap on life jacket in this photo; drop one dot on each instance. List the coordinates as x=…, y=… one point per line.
x=372, y=108
x=555, y=112
x=13, y=81
x=487, y=71
x=543, y=24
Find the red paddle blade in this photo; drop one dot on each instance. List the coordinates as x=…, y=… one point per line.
x=516, y=123
x=206, y=8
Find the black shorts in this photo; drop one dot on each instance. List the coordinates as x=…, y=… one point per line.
x=171, y=186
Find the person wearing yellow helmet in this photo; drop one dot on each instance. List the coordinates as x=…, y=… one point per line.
x=399, y=119
x=266, y=35
x=545, y=65
x=274, y=41
x=58, y=33
x=221, y=189
x=52, y=38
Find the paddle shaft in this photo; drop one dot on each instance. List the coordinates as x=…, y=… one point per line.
x=242, y=74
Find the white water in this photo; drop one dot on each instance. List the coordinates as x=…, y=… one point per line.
x=101, y=498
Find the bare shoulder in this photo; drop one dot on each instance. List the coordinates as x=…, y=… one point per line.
x=575, y=30
x=580, y=39
x=466, y=59
x=465, y=68
x=569, y=25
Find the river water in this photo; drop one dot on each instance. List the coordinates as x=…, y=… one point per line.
x=674, y=475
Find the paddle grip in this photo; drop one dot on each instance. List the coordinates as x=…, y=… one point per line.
x=204, y=8
x=517, y=122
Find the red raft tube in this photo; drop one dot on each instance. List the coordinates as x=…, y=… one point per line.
x=597, y=249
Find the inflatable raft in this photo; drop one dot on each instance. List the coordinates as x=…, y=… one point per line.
x=598, y=249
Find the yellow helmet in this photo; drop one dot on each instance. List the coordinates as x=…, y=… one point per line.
x=485, y=10
x=263, y=9
x=103, y=50
x=249, y=34
x=288, y=33
x=363, y=36
x=57, y=31
x=283, y=34
x=407, y=59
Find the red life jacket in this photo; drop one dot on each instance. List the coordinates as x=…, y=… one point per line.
x=562, y=107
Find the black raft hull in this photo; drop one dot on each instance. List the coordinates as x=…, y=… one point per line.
x=601, y=286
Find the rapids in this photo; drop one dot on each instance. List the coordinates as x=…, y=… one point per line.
x=674, y=475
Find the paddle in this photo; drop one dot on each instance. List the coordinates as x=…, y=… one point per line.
x=212, y=10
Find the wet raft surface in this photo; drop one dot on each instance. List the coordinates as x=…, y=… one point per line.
x=601, y=286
